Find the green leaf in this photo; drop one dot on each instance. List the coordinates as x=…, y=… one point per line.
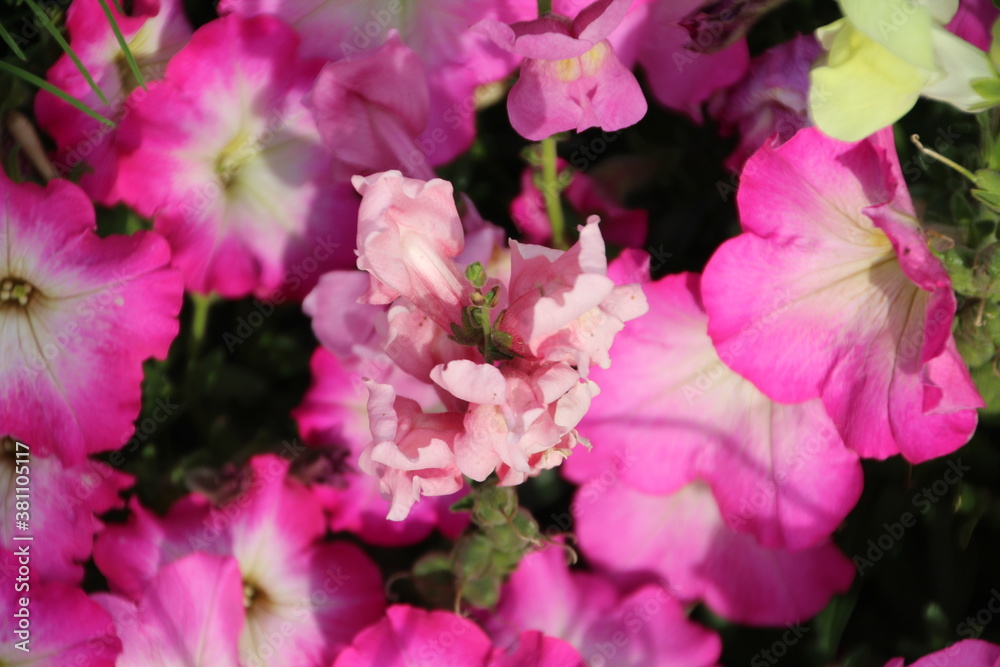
x=56, y=35
x=123, y=45
x=988, y=198
x=11, y=43
x=995, y=42
x=61, y=94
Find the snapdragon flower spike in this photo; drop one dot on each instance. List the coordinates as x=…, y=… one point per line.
x=65, y=517
x=228, y=162
x=457, y=60
x=590, y=611
x=191, y=613
x=571, y=78
x=832, y=291
x=272, y=527
x=78, y=316
x=407, y=636
x=371, y=110
x=154, y=31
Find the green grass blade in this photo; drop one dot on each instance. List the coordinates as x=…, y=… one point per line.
x=45, y=85
x=11, y=43
x=124, y=46
x=56, y=35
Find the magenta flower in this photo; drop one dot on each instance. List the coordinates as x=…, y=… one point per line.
x=155, y=31
x=78, y=316
x=645, y=628
x=457, y=60
x=228, y=162
x=832, y=292
x=571, y=78
x=681, y=77
x=778, y=472
x=273, y=527
x=772, y=100
x=974, y=21
x=64, y=518
x=409, y=636
x=65, y=627
x=967, y=653
x=682, y=539
x=333, y=417
x=191, y=613
x=370, y=111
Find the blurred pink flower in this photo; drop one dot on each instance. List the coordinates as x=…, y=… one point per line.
x=833, y=292
x=64, y=518
x=966, y=653
x=571, y=78
x=772, y=100
x=779, y=472
x=191, y=614
x=370, y=111
x=273, y=526
x=78, y=316
x=228, y=162
x=62, y=625
x=645, y=627
x=457, y=60
x=409, y=636
x=682, y=539
x=154, y=31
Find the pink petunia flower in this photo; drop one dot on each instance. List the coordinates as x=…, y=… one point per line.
x=967, y=653
x=191, y=613
x=228, y=162
x=371, y=110
x=571, y=78
x=273, y=527
x=778, y=472
x=646, y=627
x=457, y=60
x=78, y=316
x=832, y=291
x=61, y=625
x=772, y=100
x=154, y=32
x=64, y=518
x=682, y=539
x=409, y=636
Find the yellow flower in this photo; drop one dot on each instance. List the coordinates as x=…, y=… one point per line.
x=882, y=56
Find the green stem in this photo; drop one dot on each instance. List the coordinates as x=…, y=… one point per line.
x=544, y=7
x=942, y=159
x=551, y=190
x=199, y=320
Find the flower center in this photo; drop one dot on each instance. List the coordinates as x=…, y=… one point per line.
x=251, y=594
x=234, y=157
x=571, y=69
x=15, y=290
